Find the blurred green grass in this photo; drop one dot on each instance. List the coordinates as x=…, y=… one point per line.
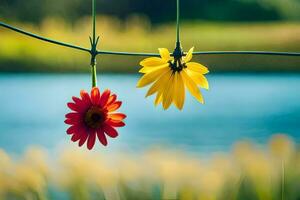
x=22, y=54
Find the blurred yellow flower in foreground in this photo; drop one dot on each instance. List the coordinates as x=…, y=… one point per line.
x=5, y=160
x=250, y=171
x=5, y=165
x=171, y=75
x=281, y=147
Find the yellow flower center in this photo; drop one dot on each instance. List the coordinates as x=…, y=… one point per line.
x=177, y=65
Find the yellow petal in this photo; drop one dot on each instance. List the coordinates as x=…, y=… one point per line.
x=158, y=98
x=152, y=76
x=199, y=79
x=191, y=86
x=162, y=87
x=197, y=67
x=160, y=82
x=189, y=55
x=179, y=92
x=175, y=93
x=146, y=70
x=152, y=62
x=168, y=93
x=165, y=54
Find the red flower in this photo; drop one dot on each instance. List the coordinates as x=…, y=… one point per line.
x=93, y=117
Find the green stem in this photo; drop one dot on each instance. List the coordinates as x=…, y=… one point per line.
x=177, y=21
x=178, y=53
x=94, y=20
x=94, y=75
x=94, y=42
x=282, y=180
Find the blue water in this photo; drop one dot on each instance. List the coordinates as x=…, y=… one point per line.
x=238, y=106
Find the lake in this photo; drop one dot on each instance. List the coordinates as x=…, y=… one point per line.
x=238, y=106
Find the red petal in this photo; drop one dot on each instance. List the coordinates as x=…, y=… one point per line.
x=102, y=137
x=104, y=98
x=117, y=116
x=115, y=123
x=73, y=107
x=77, y=100
x=91, y=140
x=76, y=137
x=110, y=131
x=83, y=138
x=81, y=104
x=85, y=97
x=72, y=121
x=73, y=129
x=95, y=96
x=112, y=99
x=76, y=116
x=114, y=106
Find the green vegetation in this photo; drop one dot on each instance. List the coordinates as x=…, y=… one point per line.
x=157, y=12
x=248, y=172
x=19, y=53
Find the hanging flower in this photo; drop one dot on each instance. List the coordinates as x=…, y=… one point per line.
x=170, y=76
x=93, y=116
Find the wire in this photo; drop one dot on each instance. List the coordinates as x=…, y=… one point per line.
x=43, y=38
x=247, y=53
x=118, y=53
x=147, y=54
x=206, y=53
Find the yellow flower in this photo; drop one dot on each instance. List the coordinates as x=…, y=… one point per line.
x=171, y=75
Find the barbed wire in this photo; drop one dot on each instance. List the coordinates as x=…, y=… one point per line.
x=18, y=30
x=94, y=41
x=142, y=53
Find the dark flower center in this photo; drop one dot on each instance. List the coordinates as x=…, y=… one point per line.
x=177, y=65
x=95, y=117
